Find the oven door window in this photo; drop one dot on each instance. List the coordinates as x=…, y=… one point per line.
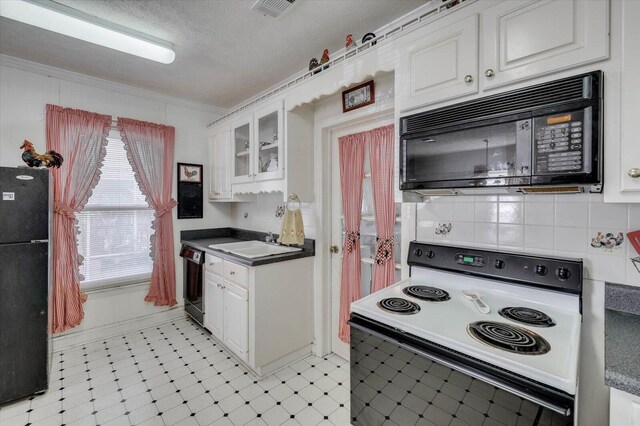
x=495, y=151
x=392, y=385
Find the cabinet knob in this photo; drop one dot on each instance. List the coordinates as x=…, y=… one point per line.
x=489, y=73
x=333, y=249
x=634, y=173
x=468, y=78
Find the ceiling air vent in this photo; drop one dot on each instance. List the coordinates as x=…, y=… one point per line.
x=273, y=8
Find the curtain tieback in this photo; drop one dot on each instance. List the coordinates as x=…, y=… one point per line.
x=64, y=210
x=384, y=249
x=162, y=210
x=352, y=240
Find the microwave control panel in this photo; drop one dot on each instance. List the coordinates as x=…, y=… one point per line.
x=559, y=143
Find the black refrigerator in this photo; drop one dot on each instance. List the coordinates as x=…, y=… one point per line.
x=25, y=344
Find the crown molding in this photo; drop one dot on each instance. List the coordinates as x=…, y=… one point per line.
x=49, y=71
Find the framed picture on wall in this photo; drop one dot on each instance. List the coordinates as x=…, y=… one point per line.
x=190, y=172
x=189, y=191
x=358, y=96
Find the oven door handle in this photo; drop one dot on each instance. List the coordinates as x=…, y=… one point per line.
x=471, y=372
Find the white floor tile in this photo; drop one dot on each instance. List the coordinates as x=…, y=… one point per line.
x=175, y=374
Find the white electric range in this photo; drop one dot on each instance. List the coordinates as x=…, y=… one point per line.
x=506, y=352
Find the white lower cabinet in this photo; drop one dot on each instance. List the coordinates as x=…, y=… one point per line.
x=624, y=409
x=262, y=314
x=214, y=302
x=236, y=319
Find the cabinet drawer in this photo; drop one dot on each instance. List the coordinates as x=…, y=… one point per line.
x=237, y=273
x=213, y=264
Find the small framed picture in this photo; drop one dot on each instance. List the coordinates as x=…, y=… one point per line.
x=358, y=96
x=190, y=173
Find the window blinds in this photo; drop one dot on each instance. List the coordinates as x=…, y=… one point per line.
x=115, y=224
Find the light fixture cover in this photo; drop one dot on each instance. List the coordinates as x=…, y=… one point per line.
x=73, y=23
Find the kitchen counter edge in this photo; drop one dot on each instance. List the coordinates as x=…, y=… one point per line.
x=622, y=339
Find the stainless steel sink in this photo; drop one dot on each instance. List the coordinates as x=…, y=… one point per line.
x=253, y=249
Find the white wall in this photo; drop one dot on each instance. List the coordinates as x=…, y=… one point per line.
x=25, y=88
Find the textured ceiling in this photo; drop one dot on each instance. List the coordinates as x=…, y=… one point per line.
x=225, y=53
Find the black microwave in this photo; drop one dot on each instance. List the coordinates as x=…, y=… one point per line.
x=545, y=138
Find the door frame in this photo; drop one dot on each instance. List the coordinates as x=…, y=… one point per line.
x=322, y=150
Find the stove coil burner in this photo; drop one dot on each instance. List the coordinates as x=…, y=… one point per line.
x=397, y=305
x=527, y=316
x=430, y=294
x=508, y=337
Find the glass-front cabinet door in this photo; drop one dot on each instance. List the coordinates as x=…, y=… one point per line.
x=242, y=147
x=268, y=142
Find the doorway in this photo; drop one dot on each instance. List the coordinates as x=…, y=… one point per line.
x=367, y=228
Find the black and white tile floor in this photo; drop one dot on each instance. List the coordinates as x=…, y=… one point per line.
x=175, y=374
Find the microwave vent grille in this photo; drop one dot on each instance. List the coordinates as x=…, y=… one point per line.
x=508, y=103
x=552, y=190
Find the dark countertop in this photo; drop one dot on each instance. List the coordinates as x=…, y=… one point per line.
x=622, y=337
x=201, y=239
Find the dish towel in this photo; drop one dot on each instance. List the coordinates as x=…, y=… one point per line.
x=292, y=229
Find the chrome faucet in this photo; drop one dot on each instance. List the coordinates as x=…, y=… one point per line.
x=269, y=238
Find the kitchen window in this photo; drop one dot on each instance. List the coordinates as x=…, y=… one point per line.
x=115, y=225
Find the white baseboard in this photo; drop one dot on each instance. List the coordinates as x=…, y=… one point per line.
x=284, y=361
x=98, y=333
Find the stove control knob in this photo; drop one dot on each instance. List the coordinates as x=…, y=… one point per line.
x=430, y=254
x=563, y=274
x=499, y=264
x=417, y=252
x=541, y=270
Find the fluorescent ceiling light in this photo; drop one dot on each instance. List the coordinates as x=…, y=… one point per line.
x=73, y=23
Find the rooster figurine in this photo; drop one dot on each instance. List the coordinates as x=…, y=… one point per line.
x=350, y=43
x=325, y=57
x=33, y=159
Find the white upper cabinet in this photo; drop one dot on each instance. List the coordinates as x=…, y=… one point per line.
x=219, y=155
x=437, y=62
x=269, y=142
x=257, y=143
x=524, y=39
x=242, y=142
x=628, y=173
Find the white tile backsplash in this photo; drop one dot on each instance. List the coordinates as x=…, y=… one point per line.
x=550, y=225
x=571, y=239
x=538, y=237
x=536, y=213
x=607, y=215
x=511, y=212
x=574, y=215
x=486, y=212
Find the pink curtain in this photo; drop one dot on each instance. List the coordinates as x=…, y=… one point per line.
x=80, y=137
x=149, y=149
x=351, y=149
x=381, y=143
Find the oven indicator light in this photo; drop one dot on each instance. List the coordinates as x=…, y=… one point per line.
x=559, y=119
x=467, y=259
